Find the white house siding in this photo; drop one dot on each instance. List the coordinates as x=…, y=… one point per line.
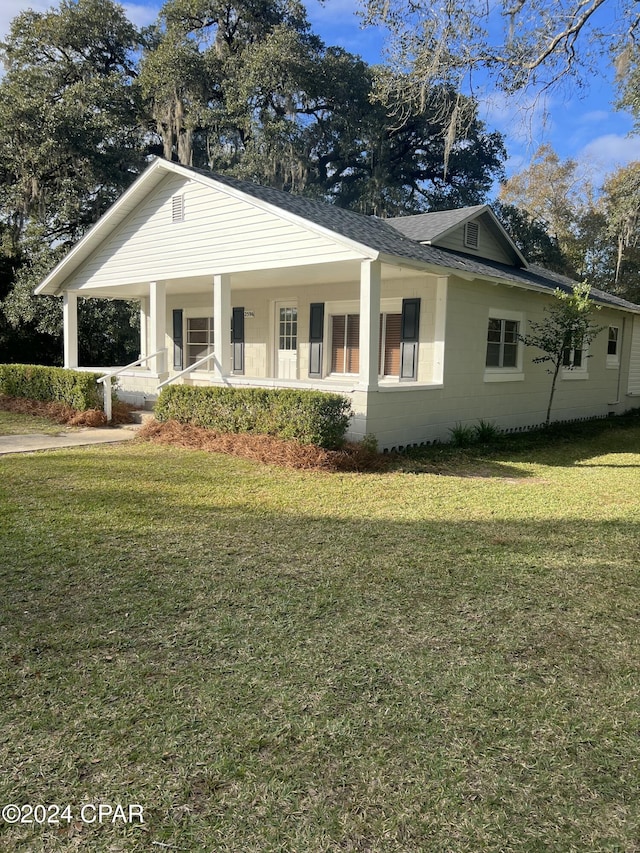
x=219, y=234
x=633, y=386
x=489, y=246
x=402, y=414
x=411, y=415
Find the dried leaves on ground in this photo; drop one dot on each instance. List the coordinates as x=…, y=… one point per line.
x=265, y=448
x=61, y=413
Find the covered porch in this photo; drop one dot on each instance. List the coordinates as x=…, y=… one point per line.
x=354, y=327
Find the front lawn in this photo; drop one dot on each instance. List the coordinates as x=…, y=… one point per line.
x=18, y=423
x=274, y=660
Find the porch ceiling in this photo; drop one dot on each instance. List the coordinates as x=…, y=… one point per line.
x=307, y=275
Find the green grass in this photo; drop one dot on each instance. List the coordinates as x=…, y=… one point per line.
x=270, y=660
x=13, y=423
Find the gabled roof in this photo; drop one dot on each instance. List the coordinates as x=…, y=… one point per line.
x=372, y=237
x=434, y=228
x=426, y=227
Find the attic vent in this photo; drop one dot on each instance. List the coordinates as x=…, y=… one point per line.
x=471, y=231
x=177, y=208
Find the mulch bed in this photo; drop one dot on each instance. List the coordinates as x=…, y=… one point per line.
x=60, y=413
x=265, y=448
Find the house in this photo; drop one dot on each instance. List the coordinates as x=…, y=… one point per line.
x=416, y=319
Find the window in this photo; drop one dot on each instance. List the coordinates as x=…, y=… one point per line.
x=613, y=355
x=390, y=339
x=573, y=356
x=502, y=343
x=345, y=344
x=288, y=338
x=199, y=340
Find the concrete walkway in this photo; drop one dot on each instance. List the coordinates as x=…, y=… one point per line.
x=73, y=438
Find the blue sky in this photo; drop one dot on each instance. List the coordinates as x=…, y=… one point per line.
x=584, y=127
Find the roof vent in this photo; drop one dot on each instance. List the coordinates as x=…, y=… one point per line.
x=471, y=232
x=177, y=208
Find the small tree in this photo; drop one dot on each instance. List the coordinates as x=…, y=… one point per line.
x=567, y=327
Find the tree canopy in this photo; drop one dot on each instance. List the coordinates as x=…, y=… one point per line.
x=240, y=86
x=517, y=44
x=562, y=221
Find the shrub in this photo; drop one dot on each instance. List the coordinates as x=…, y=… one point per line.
x=51, y=385
x=486, y=431
x=462, y=436
x=310, y=417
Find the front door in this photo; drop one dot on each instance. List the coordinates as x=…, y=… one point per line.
x=286, y=340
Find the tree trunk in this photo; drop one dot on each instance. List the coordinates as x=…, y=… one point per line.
x=553, y=390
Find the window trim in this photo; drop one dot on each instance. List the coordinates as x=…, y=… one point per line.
x=613, y=359
x=505, y=374
x=200, y=314
x=570, y=372
x=197, y=315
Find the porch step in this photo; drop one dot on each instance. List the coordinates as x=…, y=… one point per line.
x=141, y=416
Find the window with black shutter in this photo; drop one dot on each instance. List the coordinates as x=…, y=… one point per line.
x=410, y=335
x=316, y=337
x=178, y=340
x=237, y=340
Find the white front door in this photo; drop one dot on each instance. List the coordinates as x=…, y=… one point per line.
x=286, y=340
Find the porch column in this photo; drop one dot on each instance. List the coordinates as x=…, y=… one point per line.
x=70, y=328
x=222, y=325
x=158, y=323
x=144, y=328
x=369, y=324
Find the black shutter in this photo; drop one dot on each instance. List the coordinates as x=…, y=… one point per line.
x=316, y=335
x=178, y=341
x=410, y=337
x=237, y=339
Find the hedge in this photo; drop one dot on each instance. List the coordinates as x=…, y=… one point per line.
x=310, y=417
x=51, y=385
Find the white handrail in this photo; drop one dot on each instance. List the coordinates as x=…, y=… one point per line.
x=106, y=379
x=135, y=363
x=189, y=369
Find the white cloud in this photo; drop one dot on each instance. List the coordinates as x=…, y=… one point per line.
x=594, y=117
x=608, y=152
x=524, y=121
x=138, y=13
x=141, y=15
x=9, y=9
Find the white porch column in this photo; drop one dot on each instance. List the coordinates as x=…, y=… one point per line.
x=144, y=328
x=70, y=328
x=222, y=325
x=158, y=323
x=369, y=324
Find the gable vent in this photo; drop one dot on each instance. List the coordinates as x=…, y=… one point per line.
x=177, y=208
x=471, y=233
